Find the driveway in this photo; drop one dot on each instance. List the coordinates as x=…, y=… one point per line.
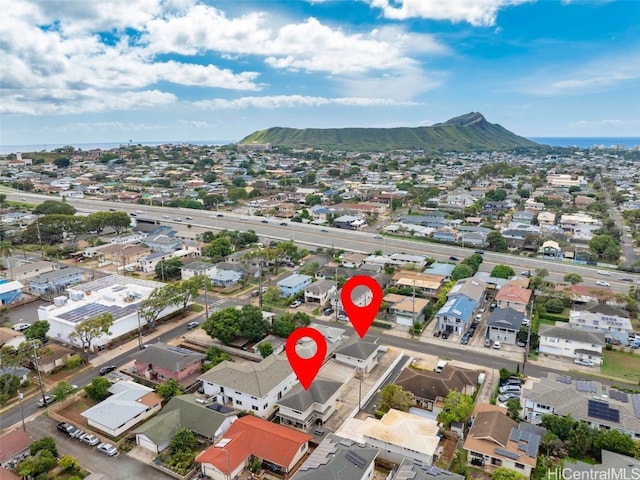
x=119, y=467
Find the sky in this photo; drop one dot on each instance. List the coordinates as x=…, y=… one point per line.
x=83, y=71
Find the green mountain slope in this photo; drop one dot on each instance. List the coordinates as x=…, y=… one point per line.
x=470, y=132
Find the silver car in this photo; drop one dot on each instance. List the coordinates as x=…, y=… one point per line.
x=90, y=439
x=108, y=449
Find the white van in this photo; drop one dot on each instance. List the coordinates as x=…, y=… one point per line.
x=440, y=366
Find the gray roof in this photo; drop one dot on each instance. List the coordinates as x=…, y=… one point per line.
x=337, y=458
x=506, y=318
x=256, y=379
x=120, y=407
x=571, y=334
x=169, y=357
x=410, y=469
x=319, y=392
x=604, y=309
x=55, y=274
x=294, y=280
x=320, y=286
x=361, y=350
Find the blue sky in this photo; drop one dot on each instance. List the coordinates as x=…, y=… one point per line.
x=82, y=71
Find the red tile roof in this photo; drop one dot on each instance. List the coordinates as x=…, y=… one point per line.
x=514, y=294
x=254, y=436
x=13, y=443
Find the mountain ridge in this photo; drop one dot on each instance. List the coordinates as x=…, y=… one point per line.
x=468, y=132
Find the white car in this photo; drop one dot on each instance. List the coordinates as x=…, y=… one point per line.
x=21, y=327
x=602, y=283
x=497, y=345
x=295, y=304
x=90, y=439
x=583, y=362
x=108, y=449
x=602, y=272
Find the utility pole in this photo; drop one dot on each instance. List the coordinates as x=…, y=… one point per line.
x=413, y=308
x=260, y=284
x=20, y=397
x=527, y=346
x=37, y=365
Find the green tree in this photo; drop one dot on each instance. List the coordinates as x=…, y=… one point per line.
x=62, y=162
x=502, y=271
x=394, y=396
x=573, y=278
x=513, y=408
x=474, y=261
x=9, y=385
x=497, y=195
x=252, y=324
x=580, y=439
x=154, y=304
x=614, y=441
x=68, y=463
x=98, y=389
x=37, y=464
x=169, y=389
x=496, y=242
x=86, y=332
x=169, y=269
x=6, y=249
x=53, y=207
x=504, y=473
x=560, y=426
x=312, y=199
x=223, y=324
x=554, y=305
x=37, y=331
x=62, y=390
x=265, y=349
x=44, y=444
x=461, y=271
x=183, y=440
x=119, y=221
x=457, y=408
x=605, y=247
x=214, y=357
x=218, y=248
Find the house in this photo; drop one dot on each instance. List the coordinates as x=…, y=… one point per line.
x=21, y=372
x=337, y=458
x=115, y=294
x=406, y=260
x=431, y=388
x=163, y=239
x=53, y=282
x=277, y=343
x=613, y=321
x=349, y=222
x=363, y=356
x=10, y=338
x=304, y=409
x=410, y=469
x=546, y=219
x=226, y=278
x=192, y=269
x=208, y=422
x=14, y=446
x=352, y=260
x=440, y=269
x=160, y=362
x=409, y=311
x=399, y=435
x=129, y=404
x=55, y=356
x=471, y=288
x=10, y=291
x=320, y=291
x=455, y=315
x=281, y=448
x=446, y=234
x=592, y=402
x=515, y=297
x=495, y=440
x=524, y=217
x=551, y=249
x=504, y=324
x=254, y=387
x=564, y=341
x=427, y=284
x=293, y=284
x=27, y=270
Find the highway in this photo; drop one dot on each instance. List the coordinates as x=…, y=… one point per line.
x=327, y=237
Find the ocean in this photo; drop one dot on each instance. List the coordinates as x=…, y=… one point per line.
x=627, y=143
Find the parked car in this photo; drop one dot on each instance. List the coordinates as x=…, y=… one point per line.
x=295, y=304
x=437, y=333
x=328, y=311
x=21, y=327
x=65, y=427
x=465, y=339
x=508, y=396
x=77, y=434
x=47, y=400
x=520, y=343
x=453, y=259
x=487, y=342
x=445, y=334
x=90, y=439
x=342, y=316
x=108, y=449
x=192, y=325
x=512, y=381
x=583, y=362
x=510, y=389
x=497, y=345
x=107, y=369
x=472, y=330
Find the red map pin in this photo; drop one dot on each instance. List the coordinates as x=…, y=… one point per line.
x=361, y=316
x=306, y=369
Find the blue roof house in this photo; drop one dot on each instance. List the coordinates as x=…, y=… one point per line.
x=10, y=291
x=293, y=284
x=226, y=278
x=455, y=315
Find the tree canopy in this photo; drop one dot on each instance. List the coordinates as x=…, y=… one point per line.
x=394, y=396
x=457, y=408
x=502, y=271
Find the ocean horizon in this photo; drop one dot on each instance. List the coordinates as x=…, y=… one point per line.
x=625, y=143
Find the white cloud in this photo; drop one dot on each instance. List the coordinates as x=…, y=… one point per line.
x=105, y=127
x=475, y=12
x=293, y=101
x=606, y=123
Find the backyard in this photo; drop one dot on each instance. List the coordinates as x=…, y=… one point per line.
x=621, y=365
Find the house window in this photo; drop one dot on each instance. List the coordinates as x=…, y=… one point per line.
x=253, y=407
x=520, y=466
x=238, y=402
x=496, y=461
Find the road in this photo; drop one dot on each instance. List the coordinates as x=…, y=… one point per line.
x=356, y=241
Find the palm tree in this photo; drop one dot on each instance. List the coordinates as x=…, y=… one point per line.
x=6, y=249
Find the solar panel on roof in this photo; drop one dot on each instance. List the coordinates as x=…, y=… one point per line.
x=635, y=401
x=182, y=351
x=624, y=398
x=602, y=411
x=356, y=459
x=532, y=447
x=515, y=435
x=523, y=446
x=507, y=453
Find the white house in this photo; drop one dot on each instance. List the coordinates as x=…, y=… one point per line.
x=118, y=295
x=129, y=404
x=254, y=387
x=361, y=355
x=564, y=341
x=610, y=320
x=320, y=291
x=303, y=409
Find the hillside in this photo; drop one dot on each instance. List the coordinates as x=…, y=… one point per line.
x=470, y=132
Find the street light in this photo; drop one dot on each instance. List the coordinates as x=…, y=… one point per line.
x=20, y=397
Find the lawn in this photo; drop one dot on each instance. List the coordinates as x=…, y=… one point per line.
x=622, y=365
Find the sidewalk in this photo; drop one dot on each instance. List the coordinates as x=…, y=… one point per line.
x=107, y=356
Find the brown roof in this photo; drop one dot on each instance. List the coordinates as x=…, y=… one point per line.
x=430, y=385
x=150, y=399
x=13, y=443
x=510, y=293
x=54, y=352
x=7, y=334
x=494, y=426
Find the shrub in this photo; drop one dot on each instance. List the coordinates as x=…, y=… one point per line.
x=554, y=305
